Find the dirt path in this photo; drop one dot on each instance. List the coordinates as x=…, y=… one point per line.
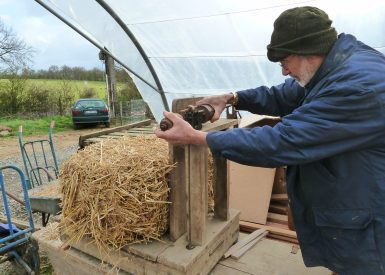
x=10, y=147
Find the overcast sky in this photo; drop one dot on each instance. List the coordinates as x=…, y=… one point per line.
x=55, y=43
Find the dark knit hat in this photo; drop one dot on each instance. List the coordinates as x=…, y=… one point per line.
x=302, y=31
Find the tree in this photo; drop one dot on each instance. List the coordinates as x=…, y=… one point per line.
x=14, y=52
x=11, y=92
x=64, y=96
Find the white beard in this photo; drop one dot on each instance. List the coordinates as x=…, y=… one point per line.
x=306, y=73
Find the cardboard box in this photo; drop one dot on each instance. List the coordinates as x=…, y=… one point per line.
x=250, y=191
x=251, y=187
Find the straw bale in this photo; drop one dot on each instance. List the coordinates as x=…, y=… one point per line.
x=115, y=192
x=52, y=231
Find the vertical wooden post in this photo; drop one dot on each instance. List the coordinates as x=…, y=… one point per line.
x=221, y=189
x=196, y=177
x=110, y=79
x=178, y=211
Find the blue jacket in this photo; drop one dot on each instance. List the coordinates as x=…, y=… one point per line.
x=332, y=138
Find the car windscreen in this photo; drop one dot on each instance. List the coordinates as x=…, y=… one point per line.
x=90, y=104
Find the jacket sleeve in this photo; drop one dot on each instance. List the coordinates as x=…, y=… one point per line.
x=275, y=101
x=324, y=127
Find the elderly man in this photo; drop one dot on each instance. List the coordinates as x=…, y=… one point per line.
x=332, y=139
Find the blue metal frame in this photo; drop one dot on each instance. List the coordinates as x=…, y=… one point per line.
x=21, y=237
x=12, y=236
x=32, y=165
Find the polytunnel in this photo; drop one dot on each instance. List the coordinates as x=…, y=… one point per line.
x=178, y=48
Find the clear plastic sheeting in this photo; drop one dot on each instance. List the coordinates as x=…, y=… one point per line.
x=204, y=47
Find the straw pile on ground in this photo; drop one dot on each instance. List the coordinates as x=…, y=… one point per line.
x=115, y=192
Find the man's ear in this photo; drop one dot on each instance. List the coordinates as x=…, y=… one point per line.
x=315, y=59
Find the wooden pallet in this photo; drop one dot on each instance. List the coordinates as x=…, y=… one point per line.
x=163, y=257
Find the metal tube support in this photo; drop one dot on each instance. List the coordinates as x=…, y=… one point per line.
x=160, y=91
x=124, y=27
x=53, y=148
x=23, y=156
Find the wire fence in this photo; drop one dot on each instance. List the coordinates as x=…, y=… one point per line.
x=131, y=111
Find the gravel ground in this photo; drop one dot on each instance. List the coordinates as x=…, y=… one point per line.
x=13, y=185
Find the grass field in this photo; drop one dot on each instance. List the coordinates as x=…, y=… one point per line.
x=78, y=85
x=37, y=126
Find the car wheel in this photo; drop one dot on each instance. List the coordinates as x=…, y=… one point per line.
x=75, y=126
x=108, y=124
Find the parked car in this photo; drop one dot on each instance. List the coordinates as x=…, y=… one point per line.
x=90, y=111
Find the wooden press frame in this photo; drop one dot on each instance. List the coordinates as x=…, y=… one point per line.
x=188, y=183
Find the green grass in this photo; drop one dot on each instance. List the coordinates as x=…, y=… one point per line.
x=38, y=126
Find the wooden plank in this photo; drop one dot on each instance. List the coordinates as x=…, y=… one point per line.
x=111, y=130
x=149, y=251
x=237, y=254
x=249, y=227
x=219, y=125
x=125, y=134
x=196, y=163
x=252, y=121
x=220, y=269
x=277, y=218
x=279, y=197
x=290, y=218
x=135, y=134
x=143, y=129
x=136, y=130
x=279, y=186
x=108, y=136
x=248, y=238
x=221, y=189
x=178, y=185
x=278, y=208
x=277, y=225
x=282, y=238
x=118, y=134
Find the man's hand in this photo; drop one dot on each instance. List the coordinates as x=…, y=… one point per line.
x=218, y=102
x=181, y=132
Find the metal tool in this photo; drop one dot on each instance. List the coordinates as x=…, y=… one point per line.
x=195, y=115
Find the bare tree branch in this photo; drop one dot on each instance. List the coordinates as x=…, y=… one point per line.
x=14, y=52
